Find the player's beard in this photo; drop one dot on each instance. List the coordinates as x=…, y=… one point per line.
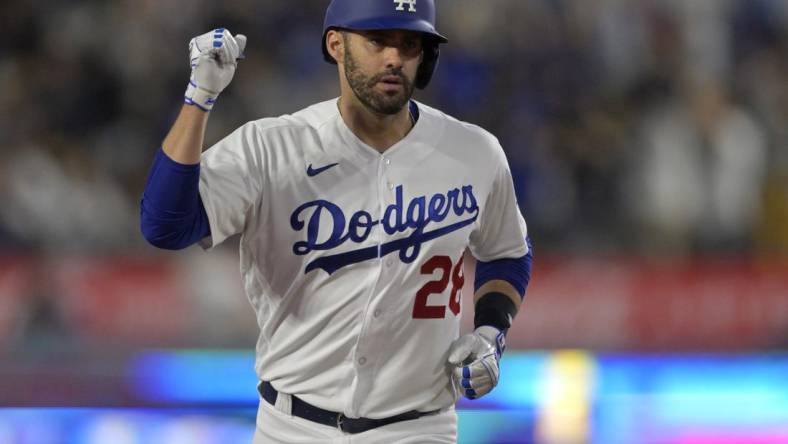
x=363, y=87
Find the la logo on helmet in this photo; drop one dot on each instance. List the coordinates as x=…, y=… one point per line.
x=401, y=5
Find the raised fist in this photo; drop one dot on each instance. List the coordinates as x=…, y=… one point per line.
x=213, y=57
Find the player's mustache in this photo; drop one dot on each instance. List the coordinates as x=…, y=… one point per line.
x=396, y=72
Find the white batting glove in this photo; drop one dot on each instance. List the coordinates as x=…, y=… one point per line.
x=213, y=57
x=475, y=358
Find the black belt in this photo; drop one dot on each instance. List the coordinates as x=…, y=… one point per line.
x=305, y=410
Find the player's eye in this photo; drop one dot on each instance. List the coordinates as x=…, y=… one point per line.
x=412, y=45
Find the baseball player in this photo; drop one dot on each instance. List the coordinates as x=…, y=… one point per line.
x=354, y=214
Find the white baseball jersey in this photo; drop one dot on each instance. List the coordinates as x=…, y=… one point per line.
x=351, y=258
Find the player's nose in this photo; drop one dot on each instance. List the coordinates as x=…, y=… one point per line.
x=393, y=57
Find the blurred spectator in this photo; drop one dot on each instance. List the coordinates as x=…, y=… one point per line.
x=697, y=172
x=58, y=198
x=583, y=97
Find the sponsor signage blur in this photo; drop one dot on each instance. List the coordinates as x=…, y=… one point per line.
x=566, y=396
x=619, y=303
x=670, y=304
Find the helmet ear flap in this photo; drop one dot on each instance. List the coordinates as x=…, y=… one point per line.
x=428, y=64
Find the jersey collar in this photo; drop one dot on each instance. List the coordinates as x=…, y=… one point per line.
x=419, y=137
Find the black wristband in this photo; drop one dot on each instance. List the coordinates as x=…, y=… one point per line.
x=496, y=310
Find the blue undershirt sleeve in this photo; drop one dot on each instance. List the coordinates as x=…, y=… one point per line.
x=514, y=271
x=172, y=215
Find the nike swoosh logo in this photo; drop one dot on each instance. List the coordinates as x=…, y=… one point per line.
x=312, y=172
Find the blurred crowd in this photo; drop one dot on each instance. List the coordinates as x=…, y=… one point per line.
x=655, y=126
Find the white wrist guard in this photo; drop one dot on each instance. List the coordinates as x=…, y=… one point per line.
x=199, y=97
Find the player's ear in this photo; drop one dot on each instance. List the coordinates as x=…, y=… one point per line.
x=335, y=45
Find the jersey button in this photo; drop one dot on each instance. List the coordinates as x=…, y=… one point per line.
x=388, y=161
x=391, y=186
x=377, y=312
x=362, y=360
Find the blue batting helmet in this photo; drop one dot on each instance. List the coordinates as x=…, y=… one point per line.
x=411, y=15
